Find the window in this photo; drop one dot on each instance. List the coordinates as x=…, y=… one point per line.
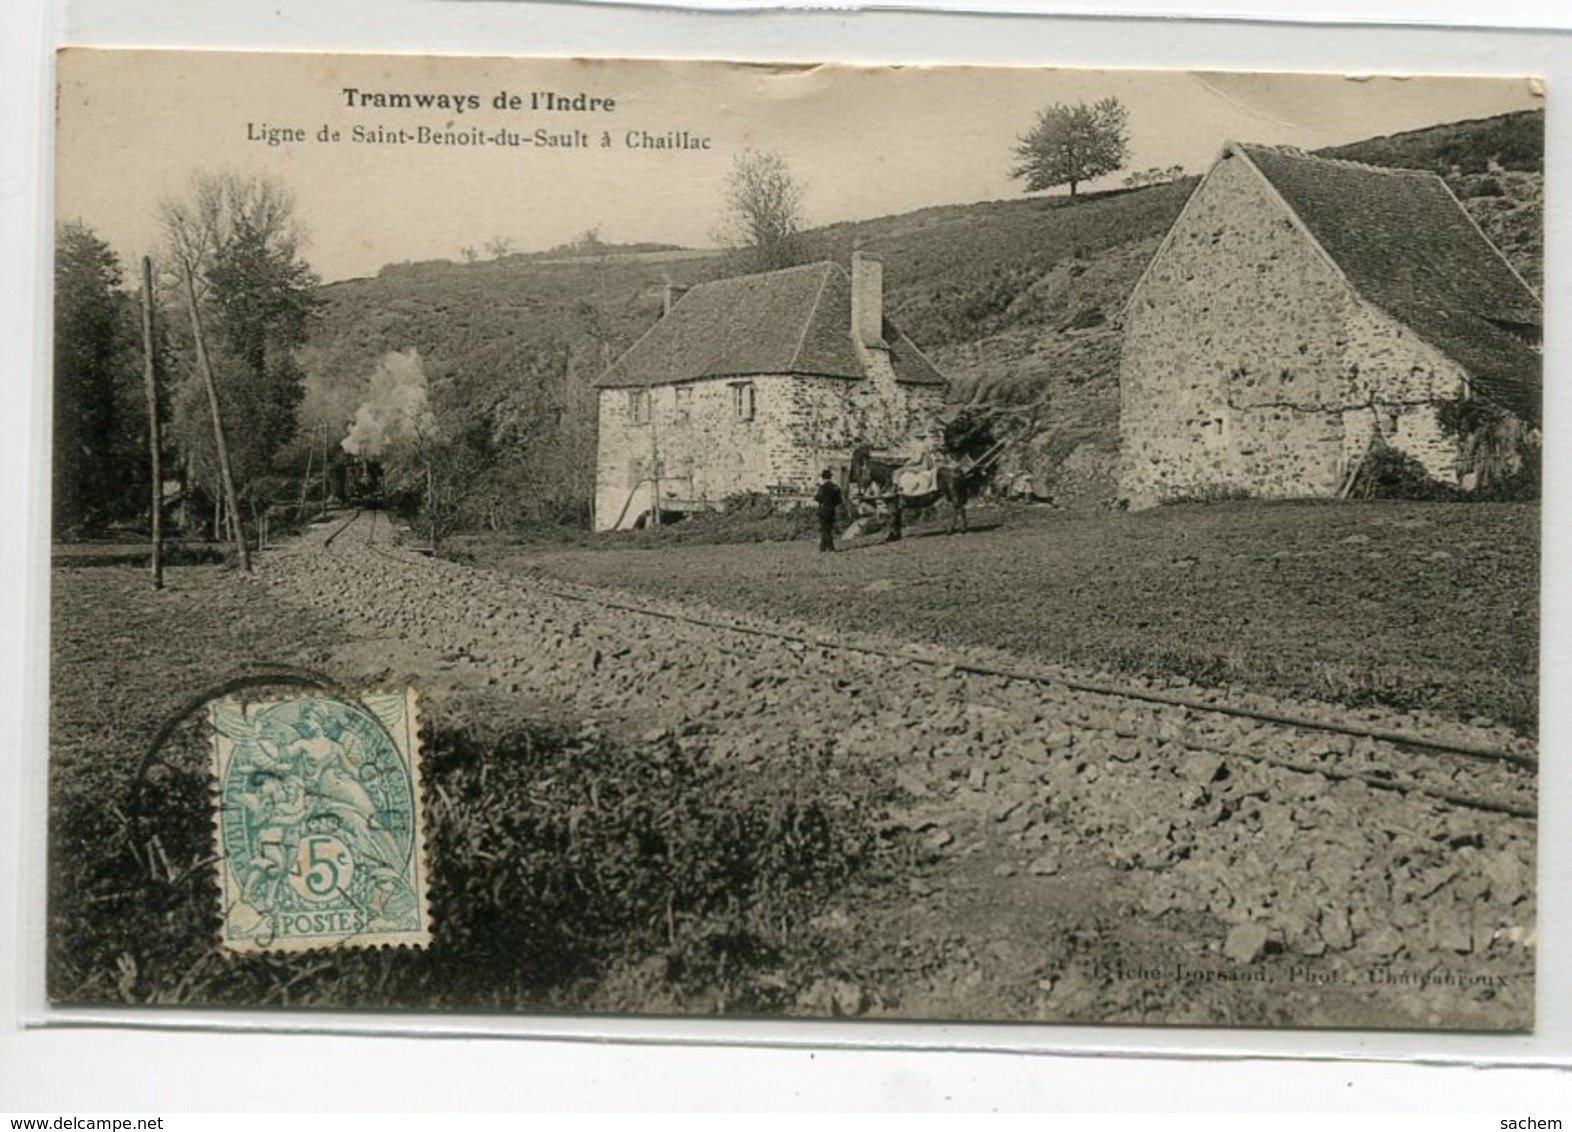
x=682, y=399
x=639, y=406
x=742, y=400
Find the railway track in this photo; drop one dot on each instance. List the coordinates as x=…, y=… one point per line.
x=1455, y=773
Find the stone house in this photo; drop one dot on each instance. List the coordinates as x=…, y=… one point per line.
x=755, y=384
x=1302, y=310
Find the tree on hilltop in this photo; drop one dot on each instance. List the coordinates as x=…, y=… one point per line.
x=1071, y=144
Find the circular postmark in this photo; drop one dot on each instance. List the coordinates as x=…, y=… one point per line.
x=317, y=825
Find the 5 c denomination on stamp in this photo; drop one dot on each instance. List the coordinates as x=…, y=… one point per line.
x=319, y=839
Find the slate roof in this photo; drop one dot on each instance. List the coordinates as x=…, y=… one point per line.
x=794, y=321
x=1406, y=244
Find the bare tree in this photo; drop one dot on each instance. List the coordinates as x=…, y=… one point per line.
x=1154, y=176
x=764, y=210
x=233, y=244
x=589, y=243
x=499, y=246
x=219, y=211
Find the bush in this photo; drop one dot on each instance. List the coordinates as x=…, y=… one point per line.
x=567, y=872
x=745, y=517
x=749, y=505
x=1521, y=485
x=563, y=859
x=1499, y=448
x=1210, y=493
x=1391, y=473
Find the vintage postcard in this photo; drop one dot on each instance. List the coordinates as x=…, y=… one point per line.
x=987, y=544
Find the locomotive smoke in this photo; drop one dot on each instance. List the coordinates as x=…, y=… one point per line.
x=395, y=408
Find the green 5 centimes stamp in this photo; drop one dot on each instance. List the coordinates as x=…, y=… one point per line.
x=319, y=829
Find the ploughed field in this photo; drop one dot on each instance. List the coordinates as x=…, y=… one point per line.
x=640, y=804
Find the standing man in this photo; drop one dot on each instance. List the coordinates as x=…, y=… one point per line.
x=828, y=498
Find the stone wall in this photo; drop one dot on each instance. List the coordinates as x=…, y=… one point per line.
x=707, y=451
x=1251, y=367
x=823, y=417
x=1396, y=378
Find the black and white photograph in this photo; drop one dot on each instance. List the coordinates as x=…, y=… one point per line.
x=638, y=538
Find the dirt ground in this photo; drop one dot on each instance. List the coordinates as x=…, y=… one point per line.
x=1046, y=854
x=1070, y=857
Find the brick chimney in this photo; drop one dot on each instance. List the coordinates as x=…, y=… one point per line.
x=673, y=293
x=867, y=300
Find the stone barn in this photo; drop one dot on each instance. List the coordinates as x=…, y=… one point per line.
x=755, y=384
x=1302, y=310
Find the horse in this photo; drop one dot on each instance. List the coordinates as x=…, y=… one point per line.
x=955, y=485
x=875, y=477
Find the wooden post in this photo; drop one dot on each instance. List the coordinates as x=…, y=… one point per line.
x=231, y=504
x=655, y=461
x=431, y=505
x=155, y=440
x=305, y=484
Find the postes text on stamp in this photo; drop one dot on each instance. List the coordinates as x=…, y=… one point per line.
x=318, y=827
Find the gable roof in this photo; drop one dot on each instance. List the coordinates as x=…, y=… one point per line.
x=793, y=321
x=1407, y=245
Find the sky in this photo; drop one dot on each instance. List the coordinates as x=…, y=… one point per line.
x=134, y=127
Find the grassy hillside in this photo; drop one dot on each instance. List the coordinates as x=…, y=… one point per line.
x=1508, y=141
x=1019, y=302
x=953, y=275
x=961, y=273
x=487, y=315
x=1494, y=165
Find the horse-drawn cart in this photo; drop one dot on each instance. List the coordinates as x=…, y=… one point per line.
x=896, y=485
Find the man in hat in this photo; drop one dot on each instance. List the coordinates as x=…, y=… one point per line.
x=828, y=501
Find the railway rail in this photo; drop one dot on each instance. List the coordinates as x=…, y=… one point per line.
x=1419, y=758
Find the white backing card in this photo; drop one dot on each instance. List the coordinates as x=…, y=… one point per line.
x=136, y=1061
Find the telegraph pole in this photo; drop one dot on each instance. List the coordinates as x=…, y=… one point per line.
x=655, y=460
x=305, y=483
x=231, y=504
x=155, y=439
